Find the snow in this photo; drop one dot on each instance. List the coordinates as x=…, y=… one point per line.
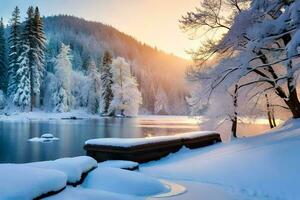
x=62, y=97
x=47, y=135
x=44, y=138
x=40, y=139
x=126, y=96
x=42, y=115
x=129, y=142
x=72, y=167
x=121, y=164
x=262, y=167
x=123, y=181
x=195, y=190
x=22, y=182
x=87, y=194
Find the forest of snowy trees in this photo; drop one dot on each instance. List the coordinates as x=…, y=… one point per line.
x=106, y=86
x=253, y=67
x=150, y=66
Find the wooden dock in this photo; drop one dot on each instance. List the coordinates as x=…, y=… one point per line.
x=142, y=153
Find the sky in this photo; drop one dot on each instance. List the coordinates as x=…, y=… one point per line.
x=154, y=22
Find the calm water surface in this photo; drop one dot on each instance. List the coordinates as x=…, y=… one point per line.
x=14, y=135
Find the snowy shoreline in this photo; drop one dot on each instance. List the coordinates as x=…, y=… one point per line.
x=83, y=114
x=222, y=171
x=42, y=115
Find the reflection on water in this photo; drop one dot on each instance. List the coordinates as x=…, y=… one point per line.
x=72, y=134
x=15, y=148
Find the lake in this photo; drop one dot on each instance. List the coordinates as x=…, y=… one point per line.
x=14, y=135
x=72, y=134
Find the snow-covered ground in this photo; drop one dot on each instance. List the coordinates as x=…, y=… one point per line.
x=264, y=167
x=146, y=120
x=42, y=115
x=32, y=180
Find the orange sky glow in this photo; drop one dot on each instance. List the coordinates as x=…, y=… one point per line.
x=154, y=22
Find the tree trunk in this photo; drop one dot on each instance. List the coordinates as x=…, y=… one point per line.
x=273, y=117
x=292, y=101
x=234, y=126
x=234, y=118
x=269, y=112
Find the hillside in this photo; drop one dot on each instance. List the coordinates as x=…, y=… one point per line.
x=155, y=70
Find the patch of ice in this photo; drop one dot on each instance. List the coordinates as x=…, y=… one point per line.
x=123, y=181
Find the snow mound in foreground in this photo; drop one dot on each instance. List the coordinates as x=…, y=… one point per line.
x=78, y=193
x=20, y=182
x=123, y=181
x=121, y=164
x=72, y=167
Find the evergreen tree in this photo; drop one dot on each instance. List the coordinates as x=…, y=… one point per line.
x=94, y=85
x=161, y=105
x=33, y=38
x=39, y=49
x=126, y=96
x=106, y=83
x=3, y=59
x=86, y=63
x=22, y=95
x=14, y=42
x=28, y=42
x=62, y=97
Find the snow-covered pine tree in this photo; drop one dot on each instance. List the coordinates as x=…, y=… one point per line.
x=106, y=82
x=126, y=96
x=34, y=34
x=3, y=59
x=161, y=102
x=85, y=64
x=94, y=88
x=39, y=49
x=14, y=42
x=28, y=42
x=22, y=95
x=62, y=97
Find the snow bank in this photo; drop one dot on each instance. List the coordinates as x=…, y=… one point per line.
x=123, y=181
x=21, y=182
x=72, y=167
x=121, y=164
x=78, y=193
x=262, y=167
x=42, y=115
x=129, y=142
